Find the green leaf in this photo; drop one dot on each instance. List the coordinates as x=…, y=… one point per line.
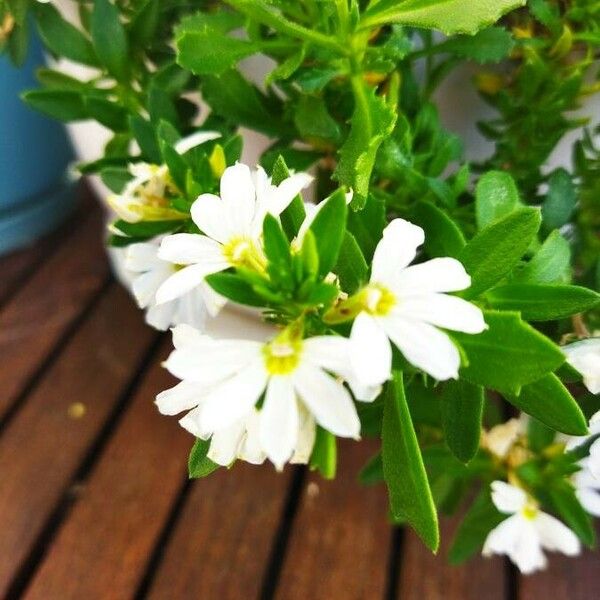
x=293, y=216
x=488, y=45
x=493, y=252
x=235, y=288
x=351, y=266
x=496, y=196
x=314, y=122
x=62, y=38
x=109, y=39
x=403, y=468
x=207, y=51
x=538, y=302
x=109, y=114
x=278, y=252
x=116, y=178
x=144, y=24
x=549, y=401
x=449, y=16
x=63, y=105
x=145, y=229
x=324, y=455
x=539, y=436
x=560, y=201
x=146, y=138
x=479, y=520
x=199, y=465
x=462, y=411
x=551, y=263
x=371, y=122
x=508, y=355
x=367, y=225
x=564, y=501
x=443, y=237
x=328, y=228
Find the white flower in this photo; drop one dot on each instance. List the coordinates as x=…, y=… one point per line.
x=231, y=226
x=587, y=488
x=527, y=531
x=585, y=357
x=593, y=463
x=150, y=272
x=222, y=381
x=407, y=305
x=145, y=197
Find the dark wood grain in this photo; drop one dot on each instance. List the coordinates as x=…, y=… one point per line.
x=425, y=576
x=340, y=540
x=103, y=547
x=565, y=578
x=45, y=443
x=221, y=544
x=35, y=317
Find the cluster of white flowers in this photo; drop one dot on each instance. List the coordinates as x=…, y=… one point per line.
x=527, y=531
x=264, y=400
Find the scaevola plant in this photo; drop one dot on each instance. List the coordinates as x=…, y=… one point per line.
x=410, y=296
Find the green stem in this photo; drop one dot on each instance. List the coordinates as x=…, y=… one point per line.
x=261, y=12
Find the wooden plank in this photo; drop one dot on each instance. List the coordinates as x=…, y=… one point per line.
x=221, y=544
x=16, y=266
x=565, y=578
x=104, y=545
x=340, y=540
x=426, y=576
x=35, y=317
x=43, y=446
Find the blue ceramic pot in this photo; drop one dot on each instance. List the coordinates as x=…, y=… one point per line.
x=34, y=155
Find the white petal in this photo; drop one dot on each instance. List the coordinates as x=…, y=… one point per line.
x=191, y=248
x=184, y=396
x=195, y=139
x=239, y=196
x=145, y=286
x=444, y=311
x=190, y=309
x=286, y=191
x=331, y=352
x=225, y=444
x=191, y=423
x=370, y=351
x=212, y=217
x=251, y=450
x=424, y=346
x=585, y=357
x=436, y=275
x=184, y=280
x=594, y=464
x=527, y=550
x=185, y=336
x=279, y=421
x=396, y=250
x=306, y=437
x=234, y=398
x=556, y=536
x=214, y=302
x=502, y=538
x=328, y=400
x=508, y=498
x=590, y=500
x=141, y=257
x=161, y=316
x=213, y=362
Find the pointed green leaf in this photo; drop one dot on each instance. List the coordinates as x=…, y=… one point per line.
x=543, y=302
x=403, y=468
x=496, y=196
x=109, y=39
x=449, y=16
x=351, y=266
x=199, y=465
x=462, y=411
x=324, y=455
x=549, y=401
x=508, y=355
x=443, y=236
x=551, y=263
x=493, y=252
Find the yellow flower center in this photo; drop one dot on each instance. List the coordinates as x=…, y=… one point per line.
x=282, y=356
x=243, y=252
x=530, y=511
x=378, y=300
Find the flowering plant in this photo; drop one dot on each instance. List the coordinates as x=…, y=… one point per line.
x=421, y=299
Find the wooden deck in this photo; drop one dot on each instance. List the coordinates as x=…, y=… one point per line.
x=94, y=498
